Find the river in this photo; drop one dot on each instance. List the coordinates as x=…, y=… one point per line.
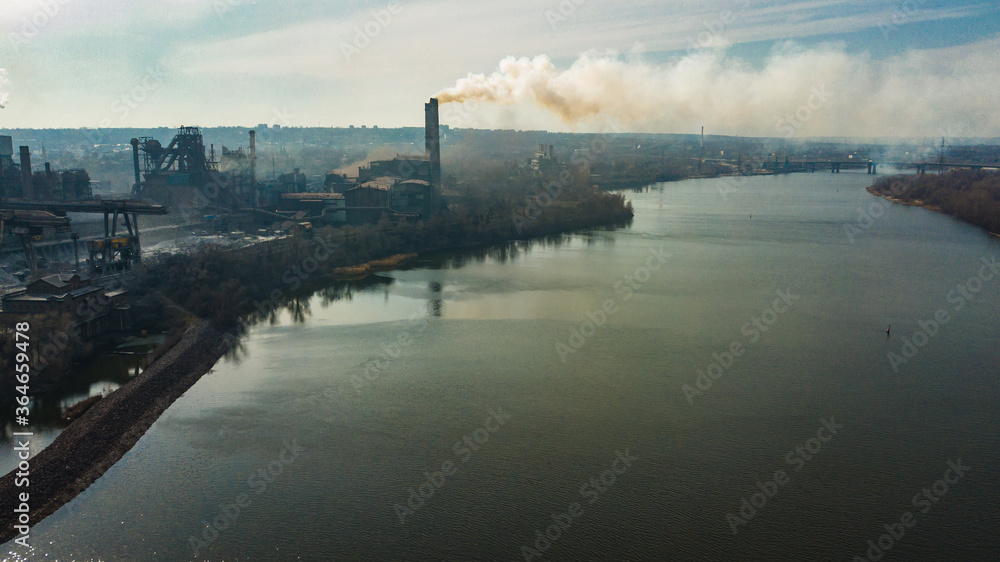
x=712, y=382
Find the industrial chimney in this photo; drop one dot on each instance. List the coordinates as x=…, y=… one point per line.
x=26, y=179
x=253, y=166
x=432, y=140
x=253, y=155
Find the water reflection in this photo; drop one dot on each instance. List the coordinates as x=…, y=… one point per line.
x=435, y=305
x=105, y=373
x=98, y=376
x=298, y=303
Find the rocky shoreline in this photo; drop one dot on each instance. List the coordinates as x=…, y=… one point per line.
x=107, y=431
x=99, y=438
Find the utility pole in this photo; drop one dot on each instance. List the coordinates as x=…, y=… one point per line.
x=941, y=164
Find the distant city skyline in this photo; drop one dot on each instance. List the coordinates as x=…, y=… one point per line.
x=739, y=67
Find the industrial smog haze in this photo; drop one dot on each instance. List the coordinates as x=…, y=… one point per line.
x=888, y=69
x=484, y=280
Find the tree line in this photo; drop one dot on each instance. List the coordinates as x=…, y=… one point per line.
x=222, y=285
x=970, y=195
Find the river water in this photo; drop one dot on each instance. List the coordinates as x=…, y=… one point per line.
x=464, y=407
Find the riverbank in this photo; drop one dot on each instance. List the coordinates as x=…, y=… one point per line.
x=909, y=203
x=110, y=428
x=972, y=196
x=92, y=444
x=920, y=203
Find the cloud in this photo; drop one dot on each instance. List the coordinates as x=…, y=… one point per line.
x=822, y=91
x=233, y=61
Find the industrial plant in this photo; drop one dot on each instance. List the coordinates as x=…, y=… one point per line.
x=56, y=214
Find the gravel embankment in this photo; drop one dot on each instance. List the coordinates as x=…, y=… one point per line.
x=108, y=430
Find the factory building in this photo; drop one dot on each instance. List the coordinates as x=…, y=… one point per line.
x=72, y=294
x=412, y=197
x=400, y=167
x=337, y=183
x=544, y=161
x=271, y=191
x=330, y=207
x=404, y=187
x=6, y=151
x=10, y=175
x=69, y=185
x=181, y=175
x=19, y=181
x=368, y=202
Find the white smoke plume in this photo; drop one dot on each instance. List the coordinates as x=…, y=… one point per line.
x=4, y=97
x=822, y=91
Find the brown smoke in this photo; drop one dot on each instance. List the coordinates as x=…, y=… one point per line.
x=795, y=91
x=384, y=152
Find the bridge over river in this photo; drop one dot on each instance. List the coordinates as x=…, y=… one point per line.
x=871, y=166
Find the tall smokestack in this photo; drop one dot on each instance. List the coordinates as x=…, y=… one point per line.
x=253, y=166
x=432, y=140
x=28, y=186
x=253, y=155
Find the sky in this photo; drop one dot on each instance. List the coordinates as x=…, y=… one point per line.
x=913, y=68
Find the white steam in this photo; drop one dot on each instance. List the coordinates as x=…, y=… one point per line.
x=823, y=91
x=3, y=95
